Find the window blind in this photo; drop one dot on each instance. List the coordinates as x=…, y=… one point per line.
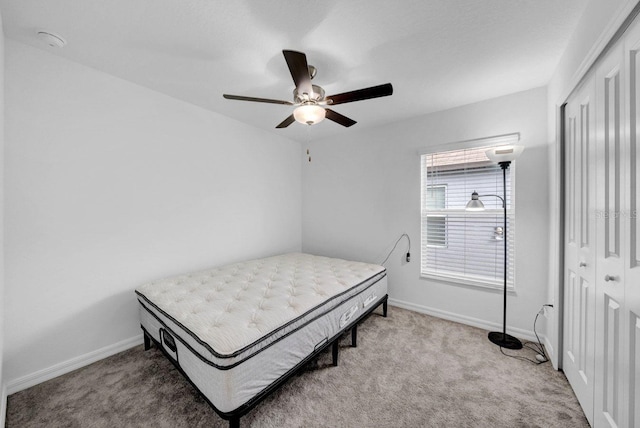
x=459, y=245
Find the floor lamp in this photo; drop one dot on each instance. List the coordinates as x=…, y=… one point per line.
x=503, y=156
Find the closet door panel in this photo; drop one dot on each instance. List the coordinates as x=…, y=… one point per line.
x=610, y=332
x=632, y=221
x=634, y=370
x=609, y=408
x=579, y=292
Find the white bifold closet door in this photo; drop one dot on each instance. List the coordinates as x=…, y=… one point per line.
x=632, y=226
x=579, y=264
x=601, y=342
x=610, y=238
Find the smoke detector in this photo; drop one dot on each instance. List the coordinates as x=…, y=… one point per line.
x=51, y=39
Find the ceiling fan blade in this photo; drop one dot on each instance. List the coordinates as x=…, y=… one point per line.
x=288, y=121
x=297, y=62
x=338, y=118
x=258, y=100
x=361, y=94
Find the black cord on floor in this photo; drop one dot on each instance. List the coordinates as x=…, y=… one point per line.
x=536, y=347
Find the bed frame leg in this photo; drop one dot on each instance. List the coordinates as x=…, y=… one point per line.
x=234, y=422
x=334, y=352
x=384, y=308
x=147, y=341
x=354, y=336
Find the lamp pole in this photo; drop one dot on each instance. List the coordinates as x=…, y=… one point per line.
x=503, y=155
x=503, y=339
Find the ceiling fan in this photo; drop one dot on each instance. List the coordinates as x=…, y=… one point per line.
x=310, y=100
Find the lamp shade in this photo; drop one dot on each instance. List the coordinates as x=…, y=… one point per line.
x=475, y=204
x=309, y=114
x=504, y=153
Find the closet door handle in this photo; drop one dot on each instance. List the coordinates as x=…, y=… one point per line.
x=608, y=278
x=583, y=264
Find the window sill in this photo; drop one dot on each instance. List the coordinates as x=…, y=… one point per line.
x=467, y=282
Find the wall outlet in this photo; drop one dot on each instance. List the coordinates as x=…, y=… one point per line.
x=546, y=311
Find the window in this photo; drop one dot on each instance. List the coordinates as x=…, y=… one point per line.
x=466, y=246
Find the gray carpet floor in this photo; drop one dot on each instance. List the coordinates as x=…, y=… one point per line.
x=408, y=370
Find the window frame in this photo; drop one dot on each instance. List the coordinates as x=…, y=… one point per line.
x=466, y=279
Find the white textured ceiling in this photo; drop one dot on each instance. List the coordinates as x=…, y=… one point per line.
x=438, y=54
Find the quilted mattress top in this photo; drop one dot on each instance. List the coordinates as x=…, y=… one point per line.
x=233, y=306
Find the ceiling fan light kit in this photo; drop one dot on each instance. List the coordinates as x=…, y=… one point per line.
x=310, y=100
x=309, y=114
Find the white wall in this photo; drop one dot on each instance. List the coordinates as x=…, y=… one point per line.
x=2, y=305
x=599, y=22
x=362, y=190
x=109, y=185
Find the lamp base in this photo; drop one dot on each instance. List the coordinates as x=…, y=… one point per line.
x=505, y=340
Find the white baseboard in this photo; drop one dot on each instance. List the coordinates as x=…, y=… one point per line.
x=3, y=405
x=550, y=351
x=64, y=367
x=463, y=319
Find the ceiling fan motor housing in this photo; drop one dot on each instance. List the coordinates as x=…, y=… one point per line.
x=317, y=95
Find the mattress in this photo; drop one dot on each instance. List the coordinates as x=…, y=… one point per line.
x=237, y=329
